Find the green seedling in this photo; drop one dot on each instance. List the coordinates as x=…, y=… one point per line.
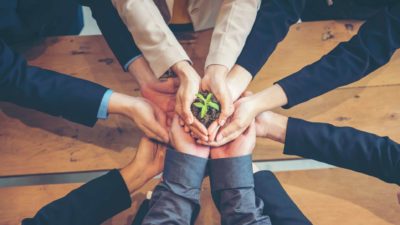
x=205, y=103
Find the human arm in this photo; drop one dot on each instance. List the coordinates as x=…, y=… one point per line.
x=106, y=196
x=75, y=99
x=176, y=199
x=232, y=183
x=151, y=34
x=277, y=203
x=114, y=31
x=350, y=61
x=371, y=48
x=234, y=22
x=340, y=146
x=272, y=23
x=47, y=91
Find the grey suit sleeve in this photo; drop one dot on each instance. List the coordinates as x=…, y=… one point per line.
x=176, y=199
x=232, y=186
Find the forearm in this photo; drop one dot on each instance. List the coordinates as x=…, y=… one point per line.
x=344, y=147
x=277, y=203
x=114, y=30
x=372, y=47
x=151, y=34
x=268, y=99
x=176, y=199
x=237, y=81
x=271, y=25
x=232, y=187
x=234, y=22
x=89, y=204
x=48, y=91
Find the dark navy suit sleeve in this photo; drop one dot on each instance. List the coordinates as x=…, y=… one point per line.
x=113, y=29
x=272, y=24
x=176, y=200
x=277, y=203
x=91, y=204
x=232, y=187
x=372, y=47
x=344, y=147
x=47, y=91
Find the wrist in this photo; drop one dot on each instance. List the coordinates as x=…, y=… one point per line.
x=271, y=98
x=141, y=71
x=134, y=178
x=276, y=127
x=121, y=104
x=238, y=80
x=182, y=69
x=216, y=69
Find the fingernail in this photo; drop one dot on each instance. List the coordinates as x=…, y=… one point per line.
x=221, y=122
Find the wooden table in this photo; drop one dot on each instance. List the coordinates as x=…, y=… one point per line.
x=326, y=197
x=35, y=143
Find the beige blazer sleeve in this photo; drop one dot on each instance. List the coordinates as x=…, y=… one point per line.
x=234, y=23
x=151, y=34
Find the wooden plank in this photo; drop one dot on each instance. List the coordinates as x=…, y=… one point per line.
x=327, y=197
x=339, y=196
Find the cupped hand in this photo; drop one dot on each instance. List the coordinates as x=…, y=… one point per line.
x=237, y=81
x=160, y=92
x=148, y=117
x=243, y=145
x=188, y=88
x=183, y=142
x=147, y=163
x=215, y=82
x=163, y=94
x=245, y=111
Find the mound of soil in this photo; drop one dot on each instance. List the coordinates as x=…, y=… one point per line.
x=211, y=115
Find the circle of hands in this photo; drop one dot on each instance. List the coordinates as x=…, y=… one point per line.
x=164, y=114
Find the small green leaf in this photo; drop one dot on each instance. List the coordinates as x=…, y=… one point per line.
x=200, y=96
x=203, y=111
x=208, y=99
x=198, y=104
x=213, y=105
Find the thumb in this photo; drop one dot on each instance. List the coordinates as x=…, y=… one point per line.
x=226, y=109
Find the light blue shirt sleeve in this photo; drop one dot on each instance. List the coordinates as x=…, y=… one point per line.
x=126, y=66
x=103, y=109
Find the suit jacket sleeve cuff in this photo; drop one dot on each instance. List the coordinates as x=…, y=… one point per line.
x=226, y=59
x=231, y=173
x=163, y=62
x=184, y=169
x=295, y=142
x=107, y=195
x=292, y=89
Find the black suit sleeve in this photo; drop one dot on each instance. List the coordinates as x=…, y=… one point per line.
x=114, y=30
x=277, y=203
x=91, y=204
x=372, y=47
x=344, y=147
x=47, y=91
x=272, y=24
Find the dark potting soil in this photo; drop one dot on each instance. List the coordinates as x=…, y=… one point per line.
x=212, y=114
